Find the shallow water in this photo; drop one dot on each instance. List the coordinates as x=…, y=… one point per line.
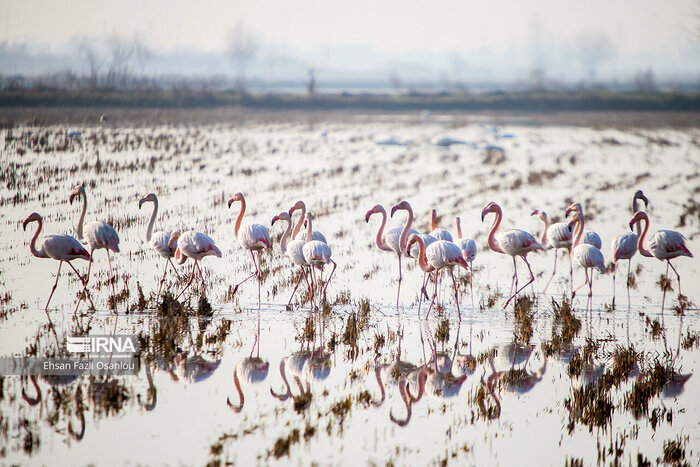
x=504, y=413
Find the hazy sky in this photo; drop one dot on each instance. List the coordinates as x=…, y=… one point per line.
x=390, y=26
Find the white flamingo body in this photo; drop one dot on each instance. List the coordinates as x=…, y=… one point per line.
x=589, y=257
x=159, y=241
x=100, y=235
x=593, y=239
x=315, y=235
x=295, y=252
x=441, y=234
x=292, y=250
x=196, y=245
x=160, y=244
x=468, y=248
x=316, y=253
x=428, y=240
x=557, y=236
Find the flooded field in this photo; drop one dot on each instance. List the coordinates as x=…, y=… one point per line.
x=225, y=380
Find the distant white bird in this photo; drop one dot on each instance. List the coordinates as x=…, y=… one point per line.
x=664, y=245
x=587, y=256
x=556, y=236
x=439, y=255
x=513, y=242
x=59, y=247
x=468, y=248
x=447, y=141
x=195, y=245
x=252, y=237
x=98, y=235
x=318, y=255
x=624, y=246
x=159, y=241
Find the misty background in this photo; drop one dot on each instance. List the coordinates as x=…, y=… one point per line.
x=309, y=46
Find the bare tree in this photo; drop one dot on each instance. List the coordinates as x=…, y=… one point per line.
x=592, y=51
x=142, y=53
x=242, y=47
x=88, y=51
x=311, y=84
x=120, y=53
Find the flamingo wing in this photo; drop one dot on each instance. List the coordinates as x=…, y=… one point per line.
x=588, y=256
x=101, y=235
x=295, y=252
x=468, y=247
x=159, y=244
x=392, y=237
x=668, y=244
x=624, y=246
x=317, y=253
x=254, y=237
x=441, y=234
x=316, y=235
x=592, y=238
x=441, y=254
x=559, y=235
x=64, y=248
x=517, y=242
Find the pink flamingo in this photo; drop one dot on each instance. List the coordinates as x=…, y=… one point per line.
x=513, y=242
x=557, y=236
x=389, y=240
x=468, y=248
x=440, y=254
x=624, y=246
x=299, y=205
x=587, y=256
x=59, y=247
x=97, y=234
x=159, y=241
x=403, y=241
x=435, y=231
x=317, y=254
x=293, y=251
x=589, y=237
x=664, y=245
x=195, y=245
x=252, y=237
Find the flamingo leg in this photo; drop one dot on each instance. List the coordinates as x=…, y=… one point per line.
x=590, y=291
x=554, y=271
x=454, y=283
x=58, y=274
x=85, y=291
x=433, y=300
x=204, y=288
x=571, y=272
x=398, y=292
x=112, y=279
x=678, y=276
x=258, y=267
x=329, y=278
x=614, y=275
x=188, y=282
x=313, y=286
x=629, y=272
x=471, y=282
x=162, y=279
x=515, y=279
x=573, y=292
x=663, y=299
x=174, y=269
x=532, y=279
x=253, y=274
x=301, y=276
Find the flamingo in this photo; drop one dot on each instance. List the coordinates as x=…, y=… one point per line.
x=440, y=254
x=252, y=237
x=159, y=241
x=624, y=246
x=558, y=237
x=435, y=231
x=195, y=245
x=664, y=245
x=302, y=207
x=98, y=235
x=59, y=247
x=317, y=254
x=389, y=240
x=403, y=239
x=252, y=370
x=589, y=237
x=513, y=242
x=587, y=256
x=293, y=250
x=468, y=248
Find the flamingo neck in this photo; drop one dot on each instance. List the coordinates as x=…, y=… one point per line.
x=149, y=230
x=240, y=217
x=79, y=227
x=459, y=228
x=32, y=245
x=285, y=236
x=283, y=372
x=635, y=208
x=578, y=232
x=421, y=256
x=380, y=233
x=309, y=230
x=640, y=238
x=237, y=383
x=543, y=236
x=492, y=233
x=433, y=219
x=297, y=227
x=378, y=374
x=404, y=232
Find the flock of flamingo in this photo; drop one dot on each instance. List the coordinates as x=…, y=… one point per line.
x=435, y=251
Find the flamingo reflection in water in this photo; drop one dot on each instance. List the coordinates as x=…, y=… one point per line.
x=58, y=381
x=516, y=380
x=251, y=369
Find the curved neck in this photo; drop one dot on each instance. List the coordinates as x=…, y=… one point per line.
x=283, y=374
x=635, y=208
x=578, y=232
x=378, y=374
x=79, y=227
x=492, y=233
x=309, y=230
x=149, y=230
x=459, y=228
x=380, y=233
x=543, y=236
x=32, y=245
x=404, y=232
x=237, y=383
x=240, y=217
x=421, y=256
x=297, y=227
x=285, y=236
x=640, y=238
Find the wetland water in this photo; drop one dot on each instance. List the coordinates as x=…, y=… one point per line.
x=536, y=383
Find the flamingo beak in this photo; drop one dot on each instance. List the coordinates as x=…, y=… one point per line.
x=275, y=219
x=646, y=201
x=572, y=223
x=73, y=195
x=535, y=212
x=568, y=211
x=632, y=222
x=367, y=216
x=393, y=210
x=24, y=224
x=230, y=202
x=462, y=262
